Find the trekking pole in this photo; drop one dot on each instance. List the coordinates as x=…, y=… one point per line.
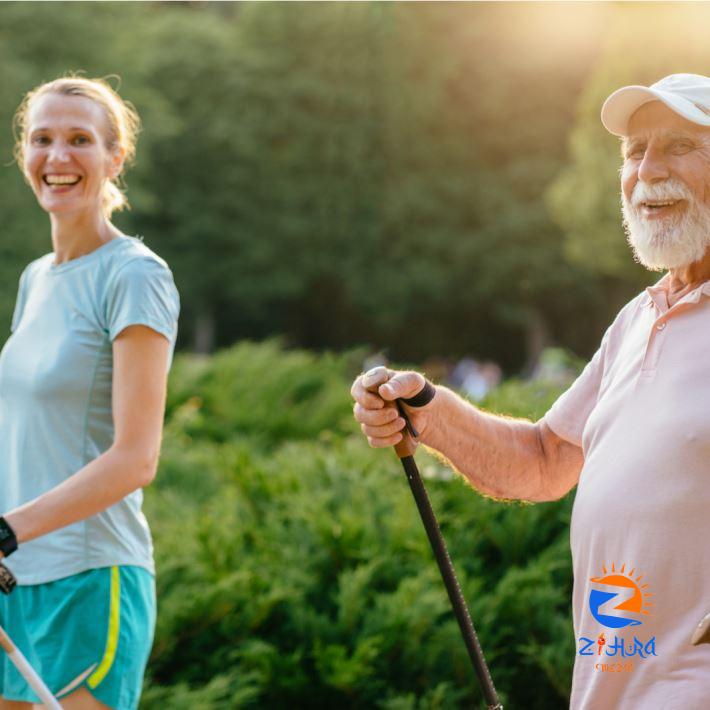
x=7, y=584
x=405, y=451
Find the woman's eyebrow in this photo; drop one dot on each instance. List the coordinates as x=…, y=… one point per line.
x=73, y=128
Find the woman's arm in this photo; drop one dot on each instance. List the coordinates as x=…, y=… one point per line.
x=140, y=367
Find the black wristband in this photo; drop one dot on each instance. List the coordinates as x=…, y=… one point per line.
x=8, y=541
x=421, y=398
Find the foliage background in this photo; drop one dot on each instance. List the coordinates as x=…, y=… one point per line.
x=335, y=172
x=294, y=571
x=428, y=179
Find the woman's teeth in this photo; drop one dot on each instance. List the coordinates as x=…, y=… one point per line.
x=62, y=179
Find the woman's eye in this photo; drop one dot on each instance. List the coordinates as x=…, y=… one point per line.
x=40, y=140
x=80, y=140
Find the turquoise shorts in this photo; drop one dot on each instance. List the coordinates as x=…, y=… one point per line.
x=93, y=629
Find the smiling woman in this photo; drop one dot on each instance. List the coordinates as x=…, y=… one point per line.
x=82, y=393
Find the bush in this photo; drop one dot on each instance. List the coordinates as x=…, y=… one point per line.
x=293, y=570
x=263, y=392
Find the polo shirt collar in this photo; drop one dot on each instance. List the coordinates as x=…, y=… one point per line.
x=661, y=287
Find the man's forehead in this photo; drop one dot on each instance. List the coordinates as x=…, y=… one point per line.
x=656, y=119
x=667, y=134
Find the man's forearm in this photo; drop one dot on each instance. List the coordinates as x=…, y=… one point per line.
x=500, y=457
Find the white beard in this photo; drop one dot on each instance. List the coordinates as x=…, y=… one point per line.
x=673, y=242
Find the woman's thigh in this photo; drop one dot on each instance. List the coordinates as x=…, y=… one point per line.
x=82, y=699
x=14, y=705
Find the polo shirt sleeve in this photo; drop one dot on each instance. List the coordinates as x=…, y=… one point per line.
x=570, y=412
x=20, y=302
x=143, y=293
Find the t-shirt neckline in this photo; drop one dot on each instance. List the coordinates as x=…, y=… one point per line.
x=84, y=258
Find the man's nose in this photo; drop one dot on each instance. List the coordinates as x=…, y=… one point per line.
x=653, y=166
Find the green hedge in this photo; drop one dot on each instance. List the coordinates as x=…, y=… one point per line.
x=294, y=572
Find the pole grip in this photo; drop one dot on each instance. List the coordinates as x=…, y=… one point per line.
x=7, y=580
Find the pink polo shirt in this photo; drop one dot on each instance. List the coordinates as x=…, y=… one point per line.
x=640, y=531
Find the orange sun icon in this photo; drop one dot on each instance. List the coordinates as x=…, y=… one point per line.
x=637, y=600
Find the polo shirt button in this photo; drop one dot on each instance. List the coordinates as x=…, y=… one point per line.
x=660, y=326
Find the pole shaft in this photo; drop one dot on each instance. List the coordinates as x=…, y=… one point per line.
x=27, y=672
x=448, y=574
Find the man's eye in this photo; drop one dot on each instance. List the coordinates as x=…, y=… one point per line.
x=635, y=153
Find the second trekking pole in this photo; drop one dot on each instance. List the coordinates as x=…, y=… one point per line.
x=7, y=584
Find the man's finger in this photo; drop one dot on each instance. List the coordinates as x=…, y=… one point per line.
x=402, y=385
x=384, y=443
x=364, y=397
x=373, y=378
x=384, y=430
x=375, y=417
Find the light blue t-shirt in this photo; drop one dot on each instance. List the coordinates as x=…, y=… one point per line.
x=55, y=396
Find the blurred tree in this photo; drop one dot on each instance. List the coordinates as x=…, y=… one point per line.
x=342, y=196
x=471, y=140
x=338, y=173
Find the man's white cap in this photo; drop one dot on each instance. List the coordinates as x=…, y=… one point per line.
x=686, y=94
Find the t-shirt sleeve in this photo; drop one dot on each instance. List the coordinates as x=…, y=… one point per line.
x=143, y=293
x=570, y=412
x=20, y=302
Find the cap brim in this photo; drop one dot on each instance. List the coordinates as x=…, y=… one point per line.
x=621, y=105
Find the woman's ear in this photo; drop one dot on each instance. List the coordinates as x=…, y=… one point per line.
x=117, y=158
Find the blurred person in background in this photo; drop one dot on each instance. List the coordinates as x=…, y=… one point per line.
x=82, y=397
x=475, y=379
x=632, y=432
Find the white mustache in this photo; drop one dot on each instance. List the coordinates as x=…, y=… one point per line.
x=668, y=191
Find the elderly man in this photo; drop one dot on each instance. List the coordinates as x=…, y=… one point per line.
x=632, y=432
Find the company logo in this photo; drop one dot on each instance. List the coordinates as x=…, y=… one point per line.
x=617, y=599
x=620, y=598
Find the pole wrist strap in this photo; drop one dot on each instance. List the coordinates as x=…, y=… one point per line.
x=421, y=398
x=8, y=540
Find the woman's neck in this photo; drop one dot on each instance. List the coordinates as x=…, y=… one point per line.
x=74, y=235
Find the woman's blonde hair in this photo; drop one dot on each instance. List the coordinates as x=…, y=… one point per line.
x=122, y=121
